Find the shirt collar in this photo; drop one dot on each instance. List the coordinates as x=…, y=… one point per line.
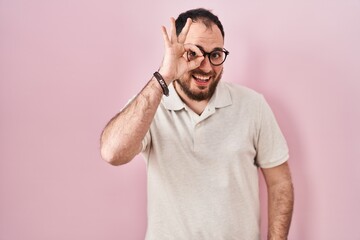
x=221, y=98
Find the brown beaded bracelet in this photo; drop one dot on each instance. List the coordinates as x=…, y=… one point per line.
x=162, y=83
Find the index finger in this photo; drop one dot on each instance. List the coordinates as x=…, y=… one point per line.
x=191, y=47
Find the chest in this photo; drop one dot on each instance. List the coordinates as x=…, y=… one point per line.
x=216, y=130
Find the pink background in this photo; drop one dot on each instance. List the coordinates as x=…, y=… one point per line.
x=66, y=67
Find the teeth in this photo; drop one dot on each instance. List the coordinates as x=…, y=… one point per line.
x=203, y=78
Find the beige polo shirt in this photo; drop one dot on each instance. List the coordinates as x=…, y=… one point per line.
x=202, y=173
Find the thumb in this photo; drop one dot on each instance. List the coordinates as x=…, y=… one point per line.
x=195, y=62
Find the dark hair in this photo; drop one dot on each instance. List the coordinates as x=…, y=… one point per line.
x=206, y=16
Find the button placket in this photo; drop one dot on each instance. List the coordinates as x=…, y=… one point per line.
x=198, y=123
x=197, y=137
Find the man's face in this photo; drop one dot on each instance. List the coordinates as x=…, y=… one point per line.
x=200, y=83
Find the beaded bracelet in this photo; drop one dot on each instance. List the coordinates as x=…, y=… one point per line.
x=162, y=83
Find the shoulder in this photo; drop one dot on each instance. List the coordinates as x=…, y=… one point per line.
x=242, y=94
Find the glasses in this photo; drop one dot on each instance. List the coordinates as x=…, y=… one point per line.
x=216, y=57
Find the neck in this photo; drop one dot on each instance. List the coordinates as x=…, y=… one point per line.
x=197, y=106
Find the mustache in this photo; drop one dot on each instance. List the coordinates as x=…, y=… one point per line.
x=200, y=72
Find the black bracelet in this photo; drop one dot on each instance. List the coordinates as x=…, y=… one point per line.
x=162, y=83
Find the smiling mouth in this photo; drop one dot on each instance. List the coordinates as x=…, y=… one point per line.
x=200, y=79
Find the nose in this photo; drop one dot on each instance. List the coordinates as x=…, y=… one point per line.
x=205, y=64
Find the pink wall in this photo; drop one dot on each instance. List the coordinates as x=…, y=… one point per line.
x=66, y=67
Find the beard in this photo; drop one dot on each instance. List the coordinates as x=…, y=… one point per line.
x=203, y=94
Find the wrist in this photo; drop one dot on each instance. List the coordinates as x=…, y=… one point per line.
x=162, y=83
x=166, y=76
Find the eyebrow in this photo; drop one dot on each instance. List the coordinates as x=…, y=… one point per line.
x=215, y=49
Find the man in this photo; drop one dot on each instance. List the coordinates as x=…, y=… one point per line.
x=203, y=143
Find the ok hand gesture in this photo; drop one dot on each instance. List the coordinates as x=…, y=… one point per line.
x=175, y=62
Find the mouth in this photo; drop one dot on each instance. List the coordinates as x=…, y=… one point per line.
x=201, y=79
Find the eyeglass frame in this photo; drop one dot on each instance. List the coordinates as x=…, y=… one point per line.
x=226, y=52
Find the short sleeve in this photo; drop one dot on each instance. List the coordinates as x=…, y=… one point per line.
x=271, y=146
x=145, y=144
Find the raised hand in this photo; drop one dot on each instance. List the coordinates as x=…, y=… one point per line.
x=175, y=62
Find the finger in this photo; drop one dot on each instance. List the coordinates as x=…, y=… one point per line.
x=195, y=63
x=193, y=48
x=165, y=36
x=173, y=30
x=199, y=56
x=184, y=31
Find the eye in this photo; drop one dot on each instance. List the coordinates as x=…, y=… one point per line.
x=191, y=55
x=216, y=54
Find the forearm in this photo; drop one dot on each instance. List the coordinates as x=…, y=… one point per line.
x=280, y=204
x=122, y=136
